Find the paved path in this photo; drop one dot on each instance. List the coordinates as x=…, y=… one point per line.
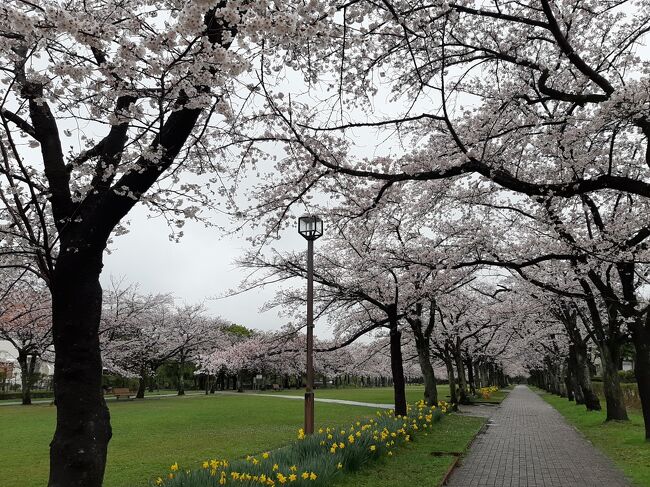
x=317, y=399
x=282, y=396
x=529, y=444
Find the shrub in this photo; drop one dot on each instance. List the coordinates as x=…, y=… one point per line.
x=19, y=395
x=631, y=397
x=627, y=376
x=314, y=460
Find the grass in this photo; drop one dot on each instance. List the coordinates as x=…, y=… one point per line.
x=414, y=464
x=150, y=435
x=623, y=442
x=357, y=446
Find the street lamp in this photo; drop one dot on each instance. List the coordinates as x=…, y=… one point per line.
x=310, y=227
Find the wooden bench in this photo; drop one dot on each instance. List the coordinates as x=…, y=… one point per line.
x=122, y=392
x=276, y=387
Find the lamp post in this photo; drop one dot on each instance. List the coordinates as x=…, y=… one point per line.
x=310, y=227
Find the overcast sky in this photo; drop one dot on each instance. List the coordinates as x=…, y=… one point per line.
x=199, y=267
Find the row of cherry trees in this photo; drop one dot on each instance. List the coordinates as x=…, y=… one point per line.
x=531, y=117
x=524, y=124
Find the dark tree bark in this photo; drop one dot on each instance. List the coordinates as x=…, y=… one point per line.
x=453, y=397
x=640, y=330
x=470, y=375
x=462, y=381
x=570, y=383
x=572, y=377
x=397, y=365
x=609, y=344
x=181, y=374
x=422, y=346
x=609, y=356
x=579, y=358
x=142, y=383
x=641, y=340
x=583, y=376
x=83, y=430
x=27, y=365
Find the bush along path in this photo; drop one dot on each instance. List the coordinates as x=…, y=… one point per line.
x=316, y=460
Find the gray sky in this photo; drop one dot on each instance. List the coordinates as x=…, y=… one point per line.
x=199, y=267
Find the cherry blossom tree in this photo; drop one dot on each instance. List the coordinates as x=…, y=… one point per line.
x=543, y=99
x=26, y=323
x=110, y=101
x=141, y=332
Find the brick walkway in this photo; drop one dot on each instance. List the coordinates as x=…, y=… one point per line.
x=529, y=444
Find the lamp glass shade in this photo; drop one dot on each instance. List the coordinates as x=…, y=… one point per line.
x=310, y=227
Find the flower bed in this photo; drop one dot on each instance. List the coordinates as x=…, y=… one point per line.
x=486, y=392
x=314, y=460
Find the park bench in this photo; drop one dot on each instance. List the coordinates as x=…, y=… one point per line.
x=276, y=387
x=122, y=392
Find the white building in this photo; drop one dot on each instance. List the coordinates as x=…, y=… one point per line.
x=9, y=354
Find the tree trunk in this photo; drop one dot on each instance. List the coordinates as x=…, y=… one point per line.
x=397, y=365
x=561, y=377
x=428, y=374
x=142, y=383
x=583, y=377
x=26, y=377
x=462, y=381
x=573, y=384
x=641, y=339
x=397, y=369
x=570, y=381
x=78, y=449
x=181, y=375
x=470, y=375
x=453, y=398
x=609, y=354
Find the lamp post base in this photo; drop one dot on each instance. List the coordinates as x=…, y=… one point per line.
x=309, y=413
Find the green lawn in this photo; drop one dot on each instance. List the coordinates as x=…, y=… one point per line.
x=416, y=464
x=152, y=434
x=623, y=442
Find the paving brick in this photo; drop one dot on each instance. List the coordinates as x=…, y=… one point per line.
x=529, y=444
